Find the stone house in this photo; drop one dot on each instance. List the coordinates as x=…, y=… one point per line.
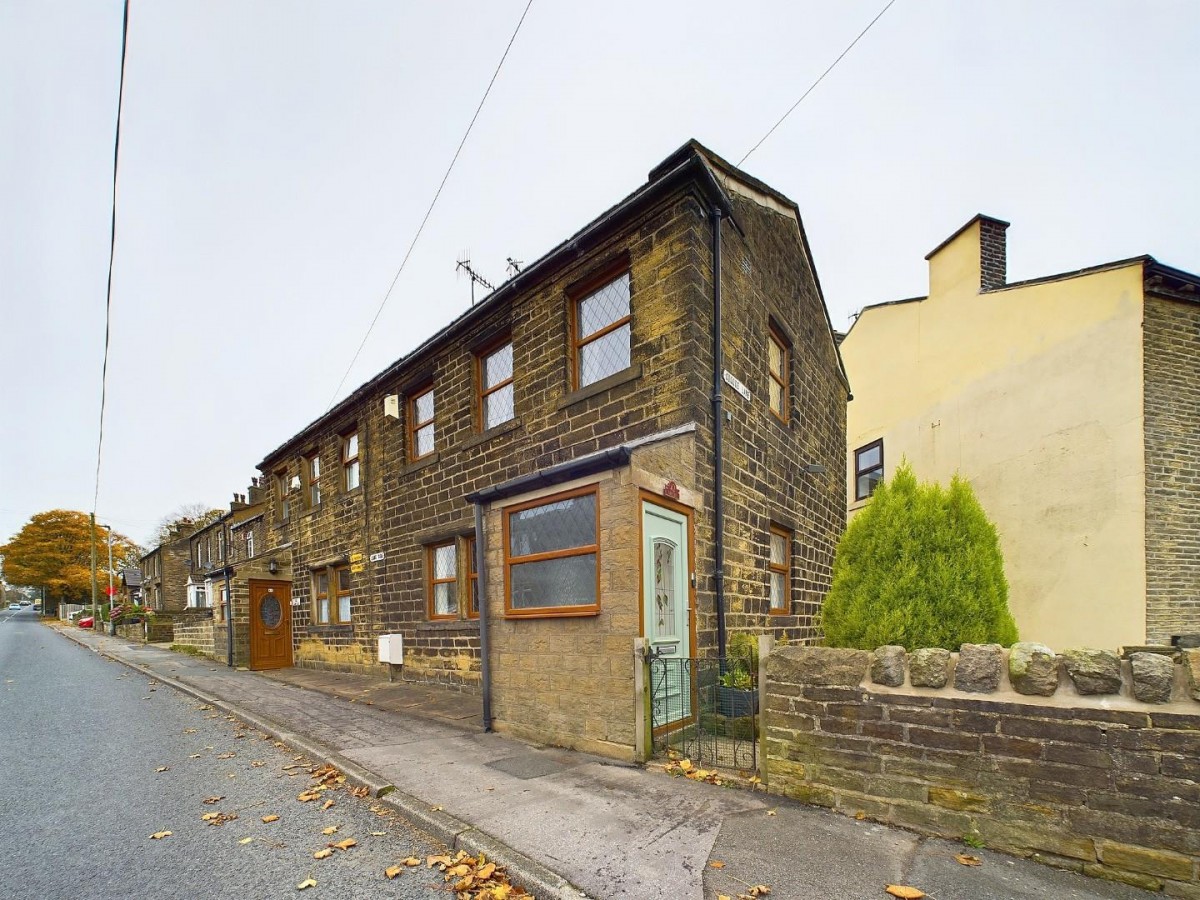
x=165, y=571
x=588, y=455
x=129, y=587
x=1071, y=402
x=231, y=570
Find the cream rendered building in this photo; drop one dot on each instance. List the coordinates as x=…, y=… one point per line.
x=1072, y=405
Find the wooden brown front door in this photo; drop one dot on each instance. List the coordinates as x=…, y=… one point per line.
x=270, y=624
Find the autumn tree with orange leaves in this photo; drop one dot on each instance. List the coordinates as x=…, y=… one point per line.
x=54, y=550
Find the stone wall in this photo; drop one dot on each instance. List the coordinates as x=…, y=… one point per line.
x=195, y=631
x=768, y=282
x=1172, y=437
x=1088, y=777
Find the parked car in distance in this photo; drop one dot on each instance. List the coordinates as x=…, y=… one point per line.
x=27, y=603
x=16, y=606
x=87, y=622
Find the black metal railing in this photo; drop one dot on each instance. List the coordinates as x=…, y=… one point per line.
x=705, y=710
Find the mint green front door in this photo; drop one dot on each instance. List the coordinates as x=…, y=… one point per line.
x=666, y=572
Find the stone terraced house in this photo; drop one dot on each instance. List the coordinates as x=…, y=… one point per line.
x=537, y=484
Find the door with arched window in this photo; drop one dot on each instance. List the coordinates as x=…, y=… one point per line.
x=667, y=608
x=270, y=624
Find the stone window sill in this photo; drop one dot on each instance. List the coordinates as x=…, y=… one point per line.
x=465, y=626
x=423, y=463
x=485, y=436
x=617, y=379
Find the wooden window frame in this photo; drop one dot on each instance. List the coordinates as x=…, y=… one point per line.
x=472, y=580
x=582, y=550
x=483, y=391
x=414, y=425
x=783, y=379
x=284, y=507
x=334, y=595
x=859, y=472
x=432, y=581
x=784, y=569
x=581, y=292
x=351, y=461
x=312, y=484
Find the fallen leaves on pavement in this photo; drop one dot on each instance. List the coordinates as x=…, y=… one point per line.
x=716, y=864
x=163, y=769
x=346, y=844
x=685, y=768
x=246, y=840
x=218, y=818
x=904, y=892
x=269, y=819
x=214, y=799
x=361, y=791
x=967, y=859
x=393, y=871
x=332, y=829
x=159, y=835
x=328, y=803
x=473, y=877
x=323, y=854
x=308, y=796
x=306, y=884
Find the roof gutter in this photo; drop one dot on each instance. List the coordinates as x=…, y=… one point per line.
x=613, y=458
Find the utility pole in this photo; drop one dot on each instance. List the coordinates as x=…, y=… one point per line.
x=95, y=618
x=112, y=625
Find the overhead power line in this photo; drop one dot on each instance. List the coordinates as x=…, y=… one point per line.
x=112, y=249
x=821, y=78
x=432, y=204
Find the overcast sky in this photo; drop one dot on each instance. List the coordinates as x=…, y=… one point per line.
x=277, y=158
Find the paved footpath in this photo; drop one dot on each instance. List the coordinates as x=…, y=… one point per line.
x=570, y=825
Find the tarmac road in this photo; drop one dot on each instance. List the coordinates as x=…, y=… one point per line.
x=81, y=738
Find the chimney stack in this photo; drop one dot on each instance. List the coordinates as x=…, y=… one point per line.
x=993, y=253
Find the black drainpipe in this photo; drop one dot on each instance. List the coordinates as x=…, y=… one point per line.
x=718, y=434
x=481, y=582
x=229, y=609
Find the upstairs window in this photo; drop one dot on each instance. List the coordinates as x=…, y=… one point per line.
x=250, y=543
x=283, y=504
x=312, y=468
x=221, y=545
x=779, y=566
x=420, y=424
x=443, y=581
x=552, y=555
x=350, y=467
x=778, y=365
x=496, y=386
x=868, y=469
x=601, y=332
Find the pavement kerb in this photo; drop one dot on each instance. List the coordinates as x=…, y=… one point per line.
x=455, y=833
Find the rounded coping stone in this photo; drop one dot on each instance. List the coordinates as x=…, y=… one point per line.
x=1033, y=669
x=929, y=667
x=979, y=668
x=887, y=665
x=1153, y=676
x=1093, y=671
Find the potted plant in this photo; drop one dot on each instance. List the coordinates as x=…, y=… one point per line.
x=737, y=691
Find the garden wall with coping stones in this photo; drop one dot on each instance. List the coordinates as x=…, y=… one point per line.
x=1103, y=784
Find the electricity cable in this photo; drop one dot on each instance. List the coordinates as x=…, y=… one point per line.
x=432, y=204
x=112, y=249
x=813, y=86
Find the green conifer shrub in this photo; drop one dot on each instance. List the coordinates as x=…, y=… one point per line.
x=919, y=566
